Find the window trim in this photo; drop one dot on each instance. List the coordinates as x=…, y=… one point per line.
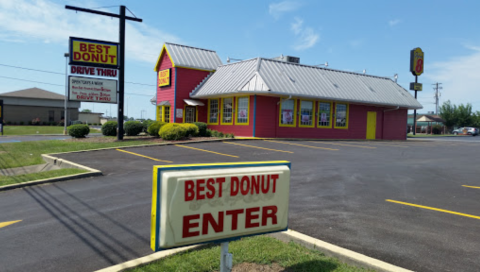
x=233, y=111
x=248, y=111
x=218, y=113
x=294, y=114
x=330, y=117
x=159, y=110
x=347, y=114
x=185, y=113
x=169, y=114
x=313, y=114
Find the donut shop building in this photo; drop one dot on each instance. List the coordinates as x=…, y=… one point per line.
x=277, y=98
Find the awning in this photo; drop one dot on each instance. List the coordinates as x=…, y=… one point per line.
x=164, y=103
x=192, y=102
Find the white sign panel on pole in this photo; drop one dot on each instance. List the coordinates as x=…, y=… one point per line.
x=87, y=89
x=201, y=203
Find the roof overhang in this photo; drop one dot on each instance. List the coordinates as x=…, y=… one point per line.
x=192, y=102
x=164, y=103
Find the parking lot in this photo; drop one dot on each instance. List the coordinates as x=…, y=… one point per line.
x=414, y=204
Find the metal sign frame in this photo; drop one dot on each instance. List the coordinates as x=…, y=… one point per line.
x=83, y=63
x=114, y=93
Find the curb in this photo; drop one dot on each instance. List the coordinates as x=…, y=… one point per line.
x=344, y=255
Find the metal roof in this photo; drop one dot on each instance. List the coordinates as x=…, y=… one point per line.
x=272, y=77
x=190, y=57
x=34, y=93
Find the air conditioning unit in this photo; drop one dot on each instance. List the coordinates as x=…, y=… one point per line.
x=288, y=59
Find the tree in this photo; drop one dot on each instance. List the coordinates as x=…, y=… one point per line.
x=448, y=112
x=476, y=119
x=86, y=110
x=464, y=115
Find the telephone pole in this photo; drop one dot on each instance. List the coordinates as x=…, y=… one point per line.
x=121, y=58
x=437, y=96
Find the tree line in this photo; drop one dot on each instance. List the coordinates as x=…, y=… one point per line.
x=459, y=116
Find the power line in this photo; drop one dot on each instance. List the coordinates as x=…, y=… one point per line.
x=32, y=81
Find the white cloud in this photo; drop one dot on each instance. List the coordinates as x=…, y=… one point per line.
x=278, y=9
x=306, y=36
x=394, y=22
x=459, y=77
x=48, y=22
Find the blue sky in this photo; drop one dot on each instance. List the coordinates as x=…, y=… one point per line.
x=349, y=35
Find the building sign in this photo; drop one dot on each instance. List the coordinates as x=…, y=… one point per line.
x=416, y=61
x=179, y=113
x=202, y=203
x=164, y=78
x=416, y=86
x=93, y=71
x=93, y=53
x=1, y=116
x=87, y=89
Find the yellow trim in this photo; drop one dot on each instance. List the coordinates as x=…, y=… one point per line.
x=153, y=215
x=252, y=146
x=207, y=151
x=164, y=49
x=313, y=114
x=371, y=125
x=4, y=224
x=347, y=117
x=248, y=111
x=233, y=112
x=331, y=112
x=309, y=146
x=209, y=113
x=433, y=209
x=159, y=107
x=143, y=156
x=156, y=167
x=294, y=114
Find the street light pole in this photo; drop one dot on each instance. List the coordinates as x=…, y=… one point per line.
x=66, y=95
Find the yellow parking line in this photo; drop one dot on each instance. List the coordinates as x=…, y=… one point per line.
x=207, y=151
x=4, y=224
x=433, y=209
x=471, y=186
x=252, y=146
x=310, y=146
x=143, y=156
x=359, y=146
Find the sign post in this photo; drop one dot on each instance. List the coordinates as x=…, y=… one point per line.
x=1, y=116
x=416, y=68
x=220, y=202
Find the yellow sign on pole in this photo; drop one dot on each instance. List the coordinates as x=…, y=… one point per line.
x=416, y=61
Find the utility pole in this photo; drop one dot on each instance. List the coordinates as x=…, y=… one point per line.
x=121, y=58
x=437, y=96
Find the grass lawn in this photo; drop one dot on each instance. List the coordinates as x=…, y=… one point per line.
x=29, y=153
x=7, y=180
x=30, y=130
x=252, y=253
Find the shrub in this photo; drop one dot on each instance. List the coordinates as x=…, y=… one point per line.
x=192, y=130
x=44, y=123
x=110, y=128
x=52, y=123
x=36, y=121
x=229, y=135
x=133, y=128
x=202, y=129
x=437, y=129
x=61, y=123
x=208, y=133
x=146, y=124
x=22, y=123
x=9, y=123
x=173, y=131
x=154, y=128
x=78, y=131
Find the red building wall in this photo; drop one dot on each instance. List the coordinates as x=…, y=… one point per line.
x=166, y=93
x=187, y=80
x=395, y=123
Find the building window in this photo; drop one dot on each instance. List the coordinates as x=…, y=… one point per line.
x=307, y=108
x=341, y=115
x=213, y=111
x=159, y=113
x=287, y=113
x=324, y=114
x=190, y=114
x=166, y=114
x=51, y=116
x=63, y=115
x=242, y=111
x=227, y=111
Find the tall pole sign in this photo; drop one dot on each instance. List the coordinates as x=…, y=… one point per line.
x=1, y=116
x=108, y=59
x=416, y=68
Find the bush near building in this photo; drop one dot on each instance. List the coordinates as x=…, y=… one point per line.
x=146, y=124
x=155, y=127
x=202, y=128
x=192, y=130
x=78, y=131
x=173, y=131
x=133, y=128
x=110, y=128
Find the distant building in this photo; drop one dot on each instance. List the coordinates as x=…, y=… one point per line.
x=90, y=117
x=29, y=104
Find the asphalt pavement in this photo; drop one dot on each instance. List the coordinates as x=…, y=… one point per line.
x=401, y=202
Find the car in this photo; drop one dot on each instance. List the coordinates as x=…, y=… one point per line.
x=466, y=131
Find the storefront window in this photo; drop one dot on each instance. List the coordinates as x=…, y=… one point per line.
x=324, y=114
x=227, y=111
x=242, y=110
x=166, y=114
x=213, y=111
x=287, y=113
x=341, y=115
x=306, y=113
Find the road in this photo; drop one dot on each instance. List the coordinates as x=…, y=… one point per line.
x=341, y=192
